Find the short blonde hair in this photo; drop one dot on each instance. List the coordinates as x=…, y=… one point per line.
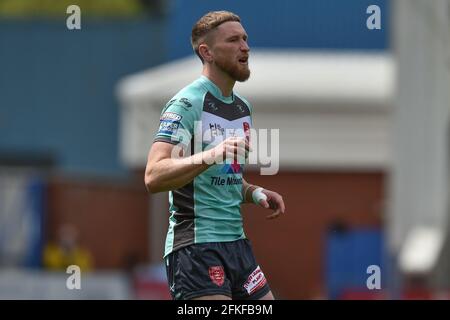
x=206, y=24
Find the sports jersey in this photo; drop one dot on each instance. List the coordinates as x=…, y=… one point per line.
x=208, y=208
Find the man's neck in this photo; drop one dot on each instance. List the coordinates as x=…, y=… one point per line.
x=222, y=80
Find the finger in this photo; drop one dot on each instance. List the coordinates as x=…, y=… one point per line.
x=241, y=143
x=241, y=150
x=278, y=203
x=234, y=140
x=274, y=215
x=236, y=152
x=273, y=204
x=282, y=207
x=263, y=203
x=241, y=155
x=233, y=158
x=247, y=146
x=230, y=157
x=233, y=152
x=235, y=148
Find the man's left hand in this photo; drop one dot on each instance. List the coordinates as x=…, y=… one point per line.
x=274, y=201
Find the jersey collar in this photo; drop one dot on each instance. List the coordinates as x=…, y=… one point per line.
x=211, y=86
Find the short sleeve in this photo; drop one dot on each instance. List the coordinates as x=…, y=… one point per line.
x=176, y=124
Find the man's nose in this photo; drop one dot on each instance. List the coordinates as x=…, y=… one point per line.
x=244, y=46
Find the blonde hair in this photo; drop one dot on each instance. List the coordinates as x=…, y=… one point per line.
x=206, y=24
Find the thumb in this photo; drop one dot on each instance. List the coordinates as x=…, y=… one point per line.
x=264, y=203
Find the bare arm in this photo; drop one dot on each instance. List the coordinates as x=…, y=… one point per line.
x=165, y=172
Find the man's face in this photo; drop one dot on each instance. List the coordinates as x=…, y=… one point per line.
x=230, y=50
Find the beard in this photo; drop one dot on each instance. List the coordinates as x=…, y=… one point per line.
x=236, y=71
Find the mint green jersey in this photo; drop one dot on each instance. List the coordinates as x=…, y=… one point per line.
x=208, y=209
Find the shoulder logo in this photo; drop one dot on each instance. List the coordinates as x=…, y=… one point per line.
x=186, y=102
x=170, y=102
x=241, y=108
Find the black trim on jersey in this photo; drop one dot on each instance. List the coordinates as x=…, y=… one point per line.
x=235, y=110
x=168, y=140
x=183, y=200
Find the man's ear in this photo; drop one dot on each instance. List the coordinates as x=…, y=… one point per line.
x=205, y=52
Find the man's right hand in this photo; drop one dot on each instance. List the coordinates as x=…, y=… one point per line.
x=233, y=149
x=163, y=172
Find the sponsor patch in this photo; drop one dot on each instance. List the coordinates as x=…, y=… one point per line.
x=255, y=281
x=168, y=127
x=172, y=116
x=217, y=275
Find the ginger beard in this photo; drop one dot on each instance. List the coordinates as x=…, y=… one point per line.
x=236, y=70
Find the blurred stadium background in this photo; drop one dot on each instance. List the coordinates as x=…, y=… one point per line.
x=364, y=135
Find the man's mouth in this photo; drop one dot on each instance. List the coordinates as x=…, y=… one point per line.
x=243, y=60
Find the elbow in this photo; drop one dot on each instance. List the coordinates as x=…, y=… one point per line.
x=151, y=183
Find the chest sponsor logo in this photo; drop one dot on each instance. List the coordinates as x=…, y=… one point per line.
x=229, y=181
x=216, y=130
